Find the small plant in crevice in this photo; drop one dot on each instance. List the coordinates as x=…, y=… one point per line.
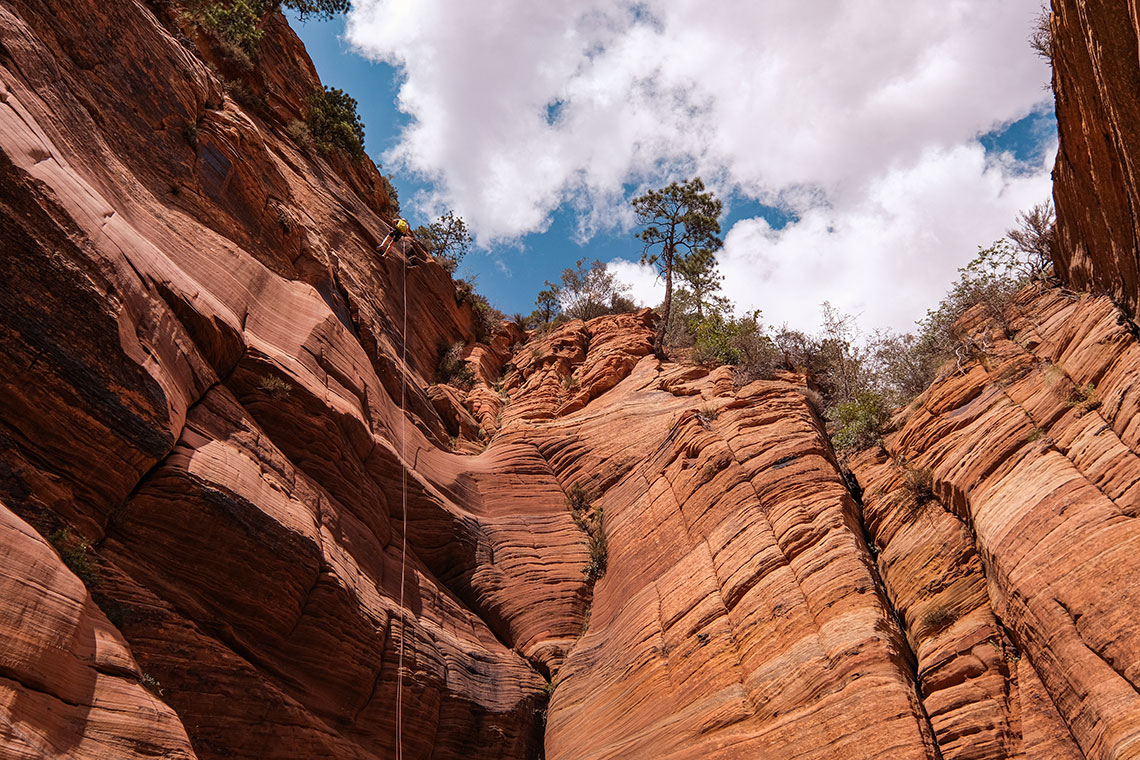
x=190, y=132
x=452, y=368
x=599, y=550
x=591, y=521
x=1084, y=399
x=1035, y=434
x=938, y=619
x=920, y=484
x=569, y=383
x=706, y=414
x=151, y=684
x=73, y=552
x=275, y=387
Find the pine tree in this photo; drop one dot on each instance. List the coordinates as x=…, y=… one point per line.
x=681, y=227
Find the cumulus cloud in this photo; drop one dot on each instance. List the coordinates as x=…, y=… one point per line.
x=861, y=119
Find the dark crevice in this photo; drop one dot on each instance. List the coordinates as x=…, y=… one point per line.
x=909, y=655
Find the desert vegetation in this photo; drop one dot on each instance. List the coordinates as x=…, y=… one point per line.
x=860, y=377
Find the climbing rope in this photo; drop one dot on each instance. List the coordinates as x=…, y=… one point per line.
x=404, y=513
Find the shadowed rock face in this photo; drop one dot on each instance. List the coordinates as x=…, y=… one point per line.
x=1096, y=79
x=204, y=375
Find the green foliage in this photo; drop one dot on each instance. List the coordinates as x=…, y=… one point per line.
x=487, y=317
x=390, y=191
x=452, y=368
x=237, y=22
x=73, y=552
x=447, y=239
x=680, y=229
x=274, y=386
x=718, y=338
x=334, y=122
x=699, y=273
x=320, y=8
x=860, y=421
x=990, y=279
x=547, y=304
x=589, y=291
x=590, y=520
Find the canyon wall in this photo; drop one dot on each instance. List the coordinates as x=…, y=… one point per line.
x=233, y=499
x=1096, y=183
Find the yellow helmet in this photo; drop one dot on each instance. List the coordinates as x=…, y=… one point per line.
x=402, y=225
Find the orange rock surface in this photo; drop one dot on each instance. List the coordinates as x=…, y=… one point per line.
x=1002, y=515
x=213, y=412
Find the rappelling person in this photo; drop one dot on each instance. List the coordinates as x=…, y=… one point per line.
x=399, y=230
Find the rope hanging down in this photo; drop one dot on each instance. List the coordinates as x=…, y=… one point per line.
x=404, y=513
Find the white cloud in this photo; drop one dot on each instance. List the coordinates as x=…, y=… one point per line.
x=861, y=117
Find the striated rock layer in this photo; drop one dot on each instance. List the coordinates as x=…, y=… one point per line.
x=1096, y=79
x=223, y=533
x=1003, y=517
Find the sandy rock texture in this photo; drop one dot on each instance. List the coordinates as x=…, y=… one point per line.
x=1096, y=79
x=1002, y=513
x=202, y=363
x=234, y=492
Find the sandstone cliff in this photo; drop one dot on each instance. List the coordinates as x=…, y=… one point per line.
x=203, y=462
x=1096, y=79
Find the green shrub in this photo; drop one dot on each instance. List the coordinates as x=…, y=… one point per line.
x=319, y=8
x=447, y=240
x=599, y=552
x=487, y=317
x=390, y=191
x=590, y=521
x=859, y=423
x=334, y=122
x=920, y=483
x=73, y=552
x=274, y=386
x=237, y=22
x=453, y=368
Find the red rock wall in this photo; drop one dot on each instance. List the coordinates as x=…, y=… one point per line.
x=1011, y=555
x=202, y=364
x=201, y=368
x=1096, y=79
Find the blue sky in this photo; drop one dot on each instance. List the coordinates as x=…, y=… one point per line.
x=1005, y=151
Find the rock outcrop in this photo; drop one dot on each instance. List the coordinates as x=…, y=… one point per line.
x=1002, y=515
x=239, y=510
x=1096, y=79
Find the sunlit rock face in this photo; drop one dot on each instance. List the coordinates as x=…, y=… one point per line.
x=235, y=495
x=1002, y=513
